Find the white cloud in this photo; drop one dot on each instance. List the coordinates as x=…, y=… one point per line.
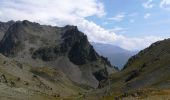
x=147, y=15
x=118, y=17
x=165, y=4
x=131, y=43
x=96, y=33
x=57, y=12
x=46, y=10
x=148, y=4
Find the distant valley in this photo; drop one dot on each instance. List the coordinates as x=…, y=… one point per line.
x=116, y=55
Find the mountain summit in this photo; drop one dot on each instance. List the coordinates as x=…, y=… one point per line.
x=50, y=60
x=63, y=48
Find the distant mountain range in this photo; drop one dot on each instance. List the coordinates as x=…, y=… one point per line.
x=116, y=55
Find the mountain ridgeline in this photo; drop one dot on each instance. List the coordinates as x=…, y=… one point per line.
x=4, y=27
x=51, y=49
x=151, y=66
x=42, y=62
x=145, y=75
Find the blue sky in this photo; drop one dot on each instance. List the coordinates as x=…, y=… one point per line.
x=130, y=24
x=133, y=21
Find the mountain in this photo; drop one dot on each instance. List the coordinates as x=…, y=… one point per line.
x=46, y=60
x=151, y=66
x=146, y=75
x=41, y=62
x=4, y=27
x=116, y=55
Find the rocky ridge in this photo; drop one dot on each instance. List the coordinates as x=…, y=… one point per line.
x=63, y=48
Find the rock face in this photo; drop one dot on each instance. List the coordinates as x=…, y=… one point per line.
x=84, y=50
x=63, y=48
x=4, y=27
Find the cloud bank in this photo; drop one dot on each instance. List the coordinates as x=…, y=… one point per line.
x=165, y=4
x=56, y=12
x=148, y=4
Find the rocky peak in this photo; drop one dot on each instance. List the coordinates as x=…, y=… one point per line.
x=32, y=41
x=79, y=49
x=5, y=24
x=13, y=39
x=74, y=43
x=70, y=34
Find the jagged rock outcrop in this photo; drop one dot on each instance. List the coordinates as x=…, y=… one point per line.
x=63, y=48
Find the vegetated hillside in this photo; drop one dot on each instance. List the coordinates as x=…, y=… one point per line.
x=59, y=56
x=151, y=66
x=146, y=74
x=116, y=55
x=20, y=81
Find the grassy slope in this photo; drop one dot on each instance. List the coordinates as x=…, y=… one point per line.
x=24, y=82
x=153, y=68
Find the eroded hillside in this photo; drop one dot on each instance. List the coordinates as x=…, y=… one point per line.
x=49, y=61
